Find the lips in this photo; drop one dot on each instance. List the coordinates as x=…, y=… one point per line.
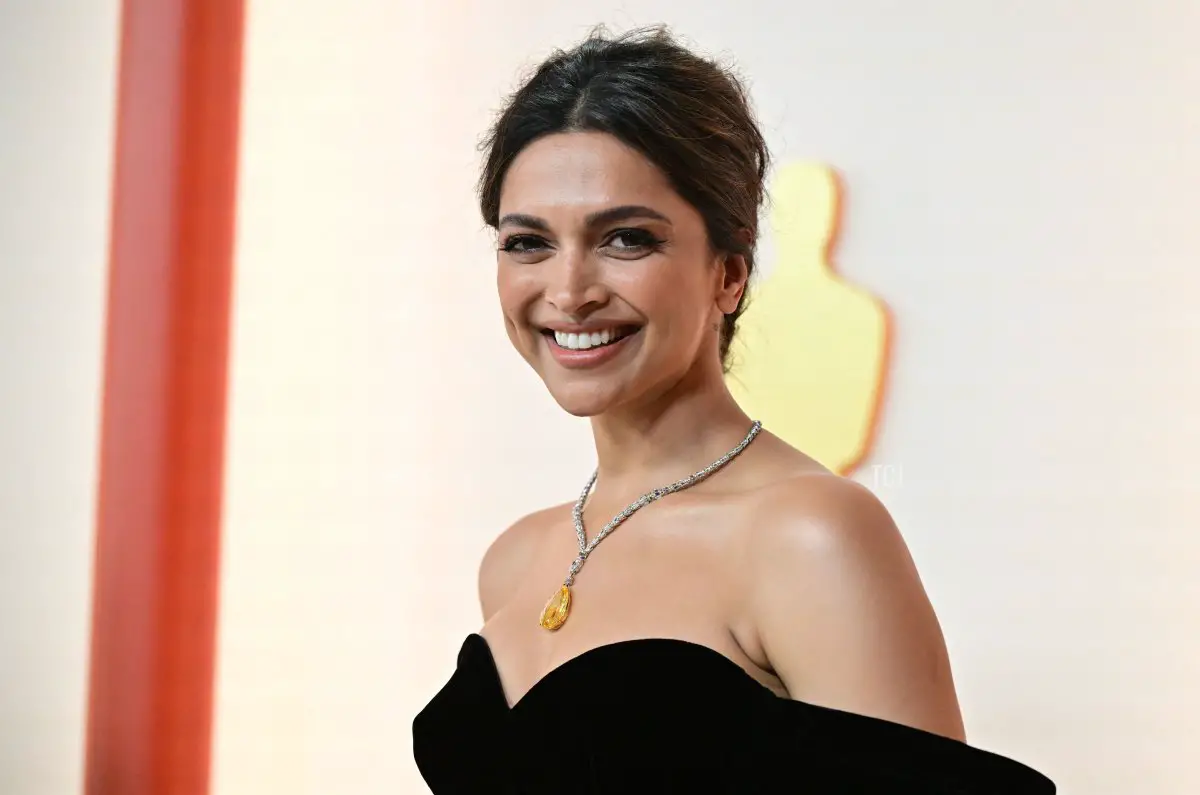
x=591, y=347
x=582, y=341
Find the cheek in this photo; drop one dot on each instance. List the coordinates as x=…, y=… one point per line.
x=674, y=295
x=516, y=292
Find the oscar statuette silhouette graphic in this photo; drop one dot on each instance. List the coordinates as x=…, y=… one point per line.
x=811, y=354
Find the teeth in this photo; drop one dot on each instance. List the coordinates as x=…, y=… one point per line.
x=581, y=342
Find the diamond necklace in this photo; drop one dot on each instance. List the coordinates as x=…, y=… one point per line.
x=554, y=614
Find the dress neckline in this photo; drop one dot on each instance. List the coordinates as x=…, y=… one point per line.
x=590, y=655
x=632, y=669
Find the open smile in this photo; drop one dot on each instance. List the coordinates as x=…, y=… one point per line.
x=578, y=350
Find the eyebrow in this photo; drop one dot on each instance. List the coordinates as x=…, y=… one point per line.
x=599, y=218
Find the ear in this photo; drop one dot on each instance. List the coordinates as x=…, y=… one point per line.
x=735, y=273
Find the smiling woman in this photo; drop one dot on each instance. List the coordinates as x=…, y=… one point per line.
x=579, y=345
x=595, y=239
x=760, y=620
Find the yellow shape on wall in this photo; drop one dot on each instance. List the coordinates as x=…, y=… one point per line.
x=811, y=354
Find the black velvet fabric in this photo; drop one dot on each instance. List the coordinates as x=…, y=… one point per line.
x=664, y=715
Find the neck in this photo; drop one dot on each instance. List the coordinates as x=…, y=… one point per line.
x=668, y=436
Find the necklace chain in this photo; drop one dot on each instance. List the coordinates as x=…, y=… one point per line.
x=586, y=547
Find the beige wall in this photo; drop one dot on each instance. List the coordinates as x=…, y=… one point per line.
x=1021, y=183
x=57, y=68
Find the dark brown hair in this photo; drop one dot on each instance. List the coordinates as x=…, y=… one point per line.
x=687, y=114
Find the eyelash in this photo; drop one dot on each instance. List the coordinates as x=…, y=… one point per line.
x=509, y=245
x=648, y=241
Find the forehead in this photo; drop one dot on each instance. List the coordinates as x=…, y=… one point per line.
x=582, y=172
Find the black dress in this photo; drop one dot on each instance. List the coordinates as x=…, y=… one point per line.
x=673, y=716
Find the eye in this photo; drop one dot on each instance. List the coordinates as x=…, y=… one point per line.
x=639, y=241
x=522, y=244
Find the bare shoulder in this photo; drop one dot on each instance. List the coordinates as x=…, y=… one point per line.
x=823, y=515
x=509, y=557
x=839, y=607
x=818, y=534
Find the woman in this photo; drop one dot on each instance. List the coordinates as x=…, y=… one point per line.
x=717, y=612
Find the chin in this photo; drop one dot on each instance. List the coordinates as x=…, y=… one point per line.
x=583, y=400
x=584, y=412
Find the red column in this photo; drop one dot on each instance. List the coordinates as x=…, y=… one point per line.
x=163, y=413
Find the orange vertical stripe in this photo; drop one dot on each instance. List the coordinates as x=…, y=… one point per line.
x=163, y=414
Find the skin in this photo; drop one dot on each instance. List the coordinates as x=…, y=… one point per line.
x=797, y=575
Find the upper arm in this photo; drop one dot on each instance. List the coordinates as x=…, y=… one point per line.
x=841, y=612
x=506, y=562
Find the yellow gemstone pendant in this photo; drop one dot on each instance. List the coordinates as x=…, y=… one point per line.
x=558, y=607
x=554, y=614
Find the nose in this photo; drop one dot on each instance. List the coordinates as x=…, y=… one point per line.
x=574, y=285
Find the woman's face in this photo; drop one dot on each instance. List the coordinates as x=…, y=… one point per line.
x=608, y=284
